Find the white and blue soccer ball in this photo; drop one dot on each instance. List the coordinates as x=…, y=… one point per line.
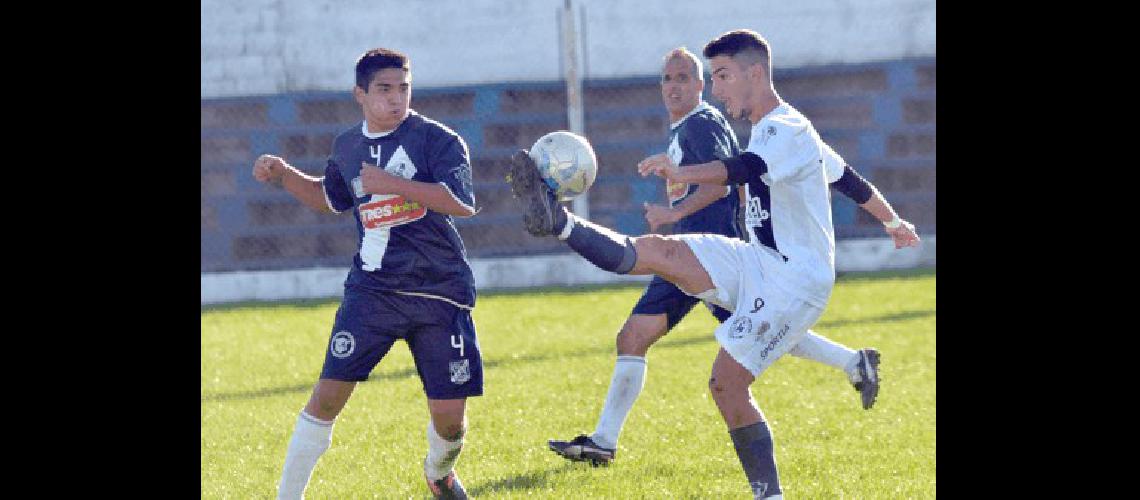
x=566, y=162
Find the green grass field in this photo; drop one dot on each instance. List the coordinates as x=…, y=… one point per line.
x=548, y=357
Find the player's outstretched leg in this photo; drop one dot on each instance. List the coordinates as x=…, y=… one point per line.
x=861, y=367
x=544, y=216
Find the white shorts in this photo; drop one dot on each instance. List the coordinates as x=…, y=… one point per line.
x=766, y=320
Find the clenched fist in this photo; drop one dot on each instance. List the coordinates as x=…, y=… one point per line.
x=375, y=180
x=269, y=168
x=658, y=215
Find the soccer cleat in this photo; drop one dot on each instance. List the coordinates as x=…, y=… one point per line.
x=449, y=487
x=541, y=211
x=868, y=384
x=583, y=449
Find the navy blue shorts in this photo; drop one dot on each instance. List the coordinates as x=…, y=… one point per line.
x=663, y=297
x=440, y=336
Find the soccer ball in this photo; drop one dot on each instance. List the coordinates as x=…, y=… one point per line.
x=566, y=162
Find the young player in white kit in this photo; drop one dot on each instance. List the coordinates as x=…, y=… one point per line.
x=777, y=284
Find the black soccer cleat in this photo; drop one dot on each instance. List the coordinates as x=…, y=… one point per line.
x=583, y=449
x=541, y=211
x=449, y=487
x=868, y=384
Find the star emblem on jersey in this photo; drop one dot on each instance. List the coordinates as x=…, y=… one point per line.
x=741, y=327
x=460, y=371
x=342, y=344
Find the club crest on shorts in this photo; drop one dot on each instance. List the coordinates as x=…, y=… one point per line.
x=460, y=371
x=342, y=344
x=741, y=327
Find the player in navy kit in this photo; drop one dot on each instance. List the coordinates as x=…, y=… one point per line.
x=404, y=177
x=699, y=133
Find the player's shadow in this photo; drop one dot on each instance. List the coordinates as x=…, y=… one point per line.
x=525, y=481
x=488, y=364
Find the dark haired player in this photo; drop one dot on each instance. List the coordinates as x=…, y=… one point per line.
x=777, y=283
x=404, y=177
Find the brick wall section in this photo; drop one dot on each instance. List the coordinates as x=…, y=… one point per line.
x=880, y=116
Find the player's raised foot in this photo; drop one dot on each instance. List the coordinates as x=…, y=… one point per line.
x=448, y=487
x=583, y=449
x=868, y=383
x=542, y=213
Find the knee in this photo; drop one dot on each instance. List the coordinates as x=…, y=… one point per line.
x=722, y=391
x=453, y=431
x=635, y=339
x=653, y=248
x=631, y=343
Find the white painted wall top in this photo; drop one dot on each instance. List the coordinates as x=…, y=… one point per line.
x=253, y=47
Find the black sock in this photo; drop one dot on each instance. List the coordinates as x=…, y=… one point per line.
x=753, y=445
x=603, y=247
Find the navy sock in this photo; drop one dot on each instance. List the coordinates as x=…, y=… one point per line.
x=753, y=445
x=604, y=248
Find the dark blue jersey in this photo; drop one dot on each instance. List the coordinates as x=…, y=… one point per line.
x=403, y=246
x=702, y=136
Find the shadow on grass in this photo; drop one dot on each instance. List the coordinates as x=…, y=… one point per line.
x=608, y=348
x=525, y=481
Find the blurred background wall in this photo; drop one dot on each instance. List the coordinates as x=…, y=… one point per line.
x=277, y=75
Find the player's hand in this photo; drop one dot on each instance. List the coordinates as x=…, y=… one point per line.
x=269, y=168
x=658, y=215
x=374, y=180
x=904, y=235
x=659, y=165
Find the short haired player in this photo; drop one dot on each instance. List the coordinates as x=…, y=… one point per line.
x=777, y=283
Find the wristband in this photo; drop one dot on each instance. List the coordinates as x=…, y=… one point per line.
x=894, y=223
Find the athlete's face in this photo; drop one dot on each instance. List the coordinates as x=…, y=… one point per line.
x=732, y=84
x=680, y=87
x=387, y=100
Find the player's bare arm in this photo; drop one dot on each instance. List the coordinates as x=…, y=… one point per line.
x=705, y=195
x=435, y=197
x=276, y=171
x=713, y=172
x=860, y=190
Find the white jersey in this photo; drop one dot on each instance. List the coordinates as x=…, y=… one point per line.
x=789, y=207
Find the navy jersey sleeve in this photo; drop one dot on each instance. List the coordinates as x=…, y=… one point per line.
x=709, y=140
x=450, y=165
x=337, y=193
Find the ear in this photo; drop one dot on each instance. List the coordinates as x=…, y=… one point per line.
x=756, y=72
x=358, y=94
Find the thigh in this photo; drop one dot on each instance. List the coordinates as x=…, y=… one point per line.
x=672, y=260
x=445, y=349
x=366, y=326
x=724, y=260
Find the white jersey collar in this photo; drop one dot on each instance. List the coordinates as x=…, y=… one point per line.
x=700, y=106
x=364, y=127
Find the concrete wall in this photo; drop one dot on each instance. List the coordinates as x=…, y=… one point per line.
x=256, y=47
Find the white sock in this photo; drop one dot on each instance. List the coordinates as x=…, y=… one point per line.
x=442, y=453
x=311, y=438
x=625, y=386
x=818, y=348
